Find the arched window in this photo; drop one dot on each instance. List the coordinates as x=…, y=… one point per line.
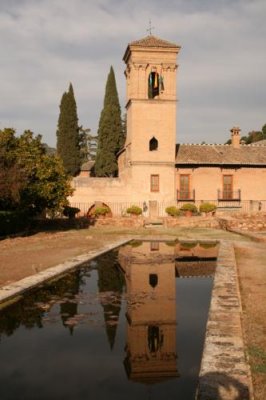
x=153, y=144
x=153, y=85
x=153, y=280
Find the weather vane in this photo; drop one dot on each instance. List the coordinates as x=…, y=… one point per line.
x=150, y=27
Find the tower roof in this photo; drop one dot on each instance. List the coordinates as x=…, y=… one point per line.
x=153, y=41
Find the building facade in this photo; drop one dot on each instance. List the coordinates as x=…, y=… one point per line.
x=154, y=172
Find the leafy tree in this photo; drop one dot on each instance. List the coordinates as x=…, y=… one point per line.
x=88, y=145
x=30, y=179
x=12, y=177
x=68, y=136
x=110, y=135
x=264, y=131
x=124, y=130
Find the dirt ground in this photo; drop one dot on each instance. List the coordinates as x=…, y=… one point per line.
x=251, y=262
x=24, y=256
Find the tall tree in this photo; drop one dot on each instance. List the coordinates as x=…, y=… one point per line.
x=110, y=134
x=68, y=135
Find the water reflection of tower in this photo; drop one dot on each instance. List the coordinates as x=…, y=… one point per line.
x=151, y=311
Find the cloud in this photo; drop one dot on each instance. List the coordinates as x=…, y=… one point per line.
x=45, y=44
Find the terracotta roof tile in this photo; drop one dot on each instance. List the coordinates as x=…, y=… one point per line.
x=153, y=41
x=220, y=154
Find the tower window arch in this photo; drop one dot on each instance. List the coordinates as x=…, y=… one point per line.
x=153, y=85
x=153, y=144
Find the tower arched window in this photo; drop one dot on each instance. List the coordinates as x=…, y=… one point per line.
x=153, y=144
x=153, y=85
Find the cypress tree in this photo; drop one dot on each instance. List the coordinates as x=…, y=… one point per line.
x=110, y=135
x=68, y=137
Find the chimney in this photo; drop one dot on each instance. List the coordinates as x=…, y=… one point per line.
x=235, y=137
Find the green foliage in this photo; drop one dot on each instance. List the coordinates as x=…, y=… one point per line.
x=110, y=132
x=255, y=136
x=189, y=207
x=68, y=135
x=258, y=359
x=13, y=222
x=172, y=211
x=12, y=176
x=135, y=210
x=136, y=243
x=207, y=207
x=30, y=179
x=88, y=145
x=188, y=245
x=100, y=211
x=206, y=245
x=70, y=212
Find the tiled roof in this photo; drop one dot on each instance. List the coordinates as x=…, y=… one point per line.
x=254, y=154
x=153, y=41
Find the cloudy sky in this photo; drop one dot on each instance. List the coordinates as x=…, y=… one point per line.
x=45, y=44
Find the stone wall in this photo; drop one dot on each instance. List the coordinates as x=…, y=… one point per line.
x=245, y=222
x=196, y=222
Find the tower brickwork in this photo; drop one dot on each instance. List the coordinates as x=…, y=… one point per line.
x=151, y=117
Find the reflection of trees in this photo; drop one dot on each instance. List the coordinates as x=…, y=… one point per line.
x=69, y=308
x=110, y=286
x=31, y=309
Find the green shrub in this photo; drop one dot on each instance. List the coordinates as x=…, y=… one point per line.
x=100, y=211
x=208, y=245
x=70, y=212
x=207, y=207
x=13, y=222
x=135, y=210
x=136, y=243
x=188, y=245
x=172, y=211
x=189, y=207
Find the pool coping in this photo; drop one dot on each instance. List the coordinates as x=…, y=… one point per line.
x=225, y=371
x=13, y=291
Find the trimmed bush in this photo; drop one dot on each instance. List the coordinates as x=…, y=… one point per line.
x=98, y=211
x=207, y=207
x=172, y=211
x=134, y=210
x=189, y=207
x=70, y=212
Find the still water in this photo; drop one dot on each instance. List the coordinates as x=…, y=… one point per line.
x=128, y=325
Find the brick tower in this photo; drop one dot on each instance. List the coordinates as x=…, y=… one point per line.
x=148, y=159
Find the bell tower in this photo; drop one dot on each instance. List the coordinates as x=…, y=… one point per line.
x=151, y=117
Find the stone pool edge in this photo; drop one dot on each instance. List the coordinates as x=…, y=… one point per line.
x=224, y=369
x=10, y=292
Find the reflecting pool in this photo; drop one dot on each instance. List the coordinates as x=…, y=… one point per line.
x=129, y=324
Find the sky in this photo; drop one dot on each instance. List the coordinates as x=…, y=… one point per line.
x=45, y=44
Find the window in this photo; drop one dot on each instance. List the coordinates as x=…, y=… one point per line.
x=153, y=85
x=227, y=187
x=153, y=280
x=153, y=144
x=184, y=187
x=154, y=246
x=154, y=183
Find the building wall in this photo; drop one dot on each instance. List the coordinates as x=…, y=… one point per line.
x=206, y=181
